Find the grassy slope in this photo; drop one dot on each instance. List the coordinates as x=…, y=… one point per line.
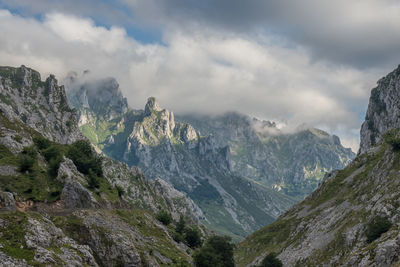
x=332, y=193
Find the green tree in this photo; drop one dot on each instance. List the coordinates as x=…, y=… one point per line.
x=193, y=237
x=271, y=261
x=180, y=225
x=164, y=217
x=377, y=227
x=216, y=252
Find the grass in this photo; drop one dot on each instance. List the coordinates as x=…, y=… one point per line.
x=13, y=236
x=139, y=219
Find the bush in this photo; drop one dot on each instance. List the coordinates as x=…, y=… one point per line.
x=178, y=237
x=120, y=190
x=217, y=251
x=26, y=163
x=164, y=217
x=84, y=158
x=41, y=142
x=193, y=237
x=271, y=261
x=180, y=225
x=93, y=180
x=377, y=227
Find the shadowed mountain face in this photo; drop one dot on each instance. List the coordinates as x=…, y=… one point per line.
x=352, y=219
x=240, y=177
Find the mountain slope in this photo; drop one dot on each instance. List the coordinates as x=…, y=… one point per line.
x=352, y=219
x=62, y=204
x=291, y=162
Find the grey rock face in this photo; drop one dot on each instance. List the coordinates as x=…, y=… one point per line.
x=42, y=106
x=383, y=113
x=7, y=201
x=293, y=163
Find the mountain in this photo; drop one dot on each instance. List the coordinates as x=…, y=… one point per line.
x=293, y=163
x=234, y=173
x=352, y=219
x=61, y=203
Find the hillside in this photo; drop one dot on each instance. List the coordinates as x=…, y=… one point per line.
x=61, y=203
x=352, y=219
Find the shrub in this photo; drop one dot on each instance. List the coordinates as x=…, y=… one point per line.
x=120, y=190
x=180, y=225
x=84, y=158
x=30, y=151
x=193, y=237
x=271, y=261
x=54, y=165
x=41, y=142
x=164, y=217
x=178, y=237
x=93, y=180
x=377, y=227
x=217, y=251
x=51, y=152
x=26, y=163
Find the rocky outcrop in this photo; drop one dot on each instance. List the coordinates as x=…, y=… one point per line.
x=7, y=201
x=383, y=111
x=43, y=106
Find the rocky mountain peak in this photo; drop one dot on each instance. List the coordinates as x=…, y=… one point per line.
x=102, y=96
x=41, y=105
x=383, y=111
x=152, y=105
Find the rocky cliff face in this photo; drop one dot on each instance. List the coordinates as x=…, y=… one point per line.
x=352, y=219
x=293, y=163
x=62, y=204
x=43, y=106
x=383, y=111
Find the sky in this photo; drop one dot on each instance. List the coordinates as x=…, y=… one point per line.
x=295, y=62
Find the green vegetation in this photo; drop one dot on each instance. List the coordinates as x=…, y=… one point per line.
x=392, y=139
x=12, y=237
x=84, y=158
x=164, y=217
x=271, y=261
x=193, y=237
x=216, y=252
x=158, y=240
x=377, y=227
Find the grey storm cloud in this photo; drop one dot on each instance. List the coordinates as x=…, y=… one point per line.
x=308, y=61
x=359, y=33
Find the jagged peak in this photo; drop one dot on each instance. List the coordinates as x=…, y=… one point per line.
x=152, y=105
x=383, y=113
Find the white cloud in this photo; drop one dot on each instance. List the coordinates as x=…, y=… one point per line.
x=204, y=71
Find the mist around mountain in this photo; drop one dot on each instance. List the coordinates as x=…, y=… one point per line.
x=240, y=177
x=352, y=218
